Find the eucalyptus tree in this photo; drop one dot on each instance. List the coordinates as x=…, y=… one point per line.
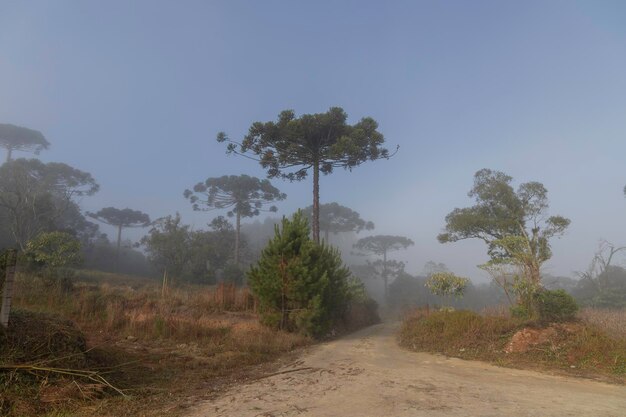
x=17, y=138
x=292, y=146
x=335, y=218
x=241, y=195
x=35, y=196
x=514, y=224
x=121, y=219
x=381, y=245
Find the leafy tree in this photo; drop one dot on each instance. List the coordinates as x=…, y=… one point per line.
x=167, y=245
x=242, y=195
x=122, y=219
x=17, y=138
x=321, y=142
x=381, y=245
x=301, y=286
x=51, y=254
x=35, y=196
x=447, y=284
x=335, y=218
x=513, y=224
x=54, y=250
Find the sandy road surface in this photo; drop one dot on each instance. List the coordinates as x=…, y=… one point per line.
x=367, y=374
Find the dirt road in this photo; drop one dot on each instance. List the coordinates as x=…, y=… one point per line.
x=367, y=374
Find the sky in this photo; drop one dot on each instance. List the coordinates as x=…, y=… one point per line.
x=135, y=91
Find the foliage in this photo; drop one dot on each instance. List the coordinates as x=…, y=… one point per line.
x=192, y=255
x=556, y=306
x=167, y=245
x=380, y=245
x=243, y=195
x=321, y=142
x=233, y=274
x=446, y=284
x=34, y=197
x=335, y=218
x=603, y=284
x=513, y=224
x=17, y=138
x=301, y=286
x=121, y=217
x=50, y=255
x=432, y=267
x=54, y=250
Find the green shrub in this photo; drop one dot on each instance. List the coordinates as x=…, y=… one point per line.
x=520, y=311
x=555, y=306
x=302, y=286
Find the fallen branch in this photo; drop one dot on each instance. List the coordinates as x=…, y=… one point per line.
x=90, y=375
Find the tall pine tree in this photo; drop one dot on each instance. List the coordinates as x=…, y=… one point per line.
x=301, y=286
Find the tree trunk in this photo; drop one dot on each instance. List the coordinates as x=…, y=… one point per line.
x=119, y=244
x=7, y=291
x=385, y=275
x=316, y=202
x=237, y=234
x=9, y=154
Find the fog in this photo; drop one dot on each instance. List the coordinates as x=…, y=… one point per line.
x=135, y=93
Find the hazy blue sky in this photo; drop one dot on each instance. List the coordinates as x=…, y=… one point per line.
x=134, y=92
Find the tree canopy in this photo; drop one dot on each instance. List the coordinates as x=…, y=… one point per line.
x=241, y=195
x=381, y=245
x=17, y=138
x=335, y=218
x=292, y=146
x=121, y=219
x=35, y=196
x=514, y=224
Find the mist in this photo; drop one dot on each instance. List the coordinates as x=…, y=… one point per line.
x=458, y=89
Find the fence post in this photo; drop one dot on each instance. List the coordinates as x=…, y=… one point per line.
x=7, y=291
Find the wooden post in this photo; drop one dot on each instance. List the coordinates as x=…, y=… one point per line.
x=164, y=287
x=7, y=291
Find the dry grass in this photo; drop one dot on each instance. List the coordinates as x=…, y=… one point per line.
x=184, y=341
x=597, y=350
x=613, y=322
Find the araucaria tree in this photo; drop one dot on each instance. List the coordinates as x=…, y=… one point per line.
x=242, y=195
x=301, y=286
x=122, y=219
x=381, y=245
x=335, y=218
x=17, y=138
x=514, y=225
x=292, y=146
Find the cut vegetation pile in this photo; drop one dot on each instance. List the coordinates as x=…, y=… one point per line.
x=69, y=351
x=584, y=347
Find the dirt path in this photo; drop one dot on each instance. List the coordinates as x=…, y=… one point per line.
x=367, y=374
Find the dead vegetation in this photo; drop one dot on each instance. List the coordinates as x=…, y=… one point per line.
x=77, y=351
x=592, y=346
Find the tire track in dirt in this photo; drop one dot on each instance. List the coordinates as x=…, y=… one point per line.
x=367, y=374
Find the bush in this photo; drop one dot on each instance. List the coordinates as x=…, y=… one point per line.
x=302, y=286
x=555, y=306
x=233, y=274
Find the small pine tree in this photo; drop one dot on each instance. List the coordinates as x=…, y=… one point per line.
x=301, y=286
